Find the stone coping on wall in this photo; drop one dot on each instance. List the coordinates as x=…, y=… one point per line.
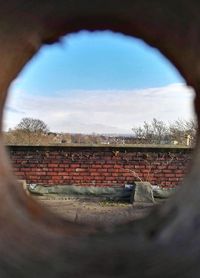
x=142, y=147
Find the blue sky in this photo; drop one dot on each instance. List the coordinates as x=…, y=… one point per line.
x=87, y=69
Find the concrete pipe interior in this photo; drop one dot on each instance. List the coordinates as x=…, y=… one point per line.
x=32, y=242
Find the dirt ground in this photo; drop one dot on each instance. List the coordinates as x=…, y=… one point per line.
x=95, y=211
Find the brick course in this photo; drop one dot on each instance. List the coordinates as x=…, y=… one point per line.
x=99, y=166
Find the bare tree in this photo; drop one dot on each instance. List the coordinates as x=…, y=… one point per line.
x=160, y=131
x=32, y=125
x=28, y=131
x=180, y=130
x=152, y=133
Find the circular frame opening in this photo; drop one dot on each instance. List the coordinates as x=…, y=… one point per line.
x=23, y=31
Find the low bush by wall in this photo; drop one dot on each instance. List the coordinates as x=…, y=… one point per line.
x=99, y=166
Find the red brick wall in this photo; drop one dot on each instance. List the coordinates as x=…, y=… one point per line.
x=99, y=166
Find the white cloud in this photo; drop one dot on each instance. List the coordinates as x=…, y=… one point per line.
x=101, y=111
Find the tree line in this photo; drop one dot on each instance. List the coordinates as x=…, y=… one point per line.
x=179, y=132
x=36, y=132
